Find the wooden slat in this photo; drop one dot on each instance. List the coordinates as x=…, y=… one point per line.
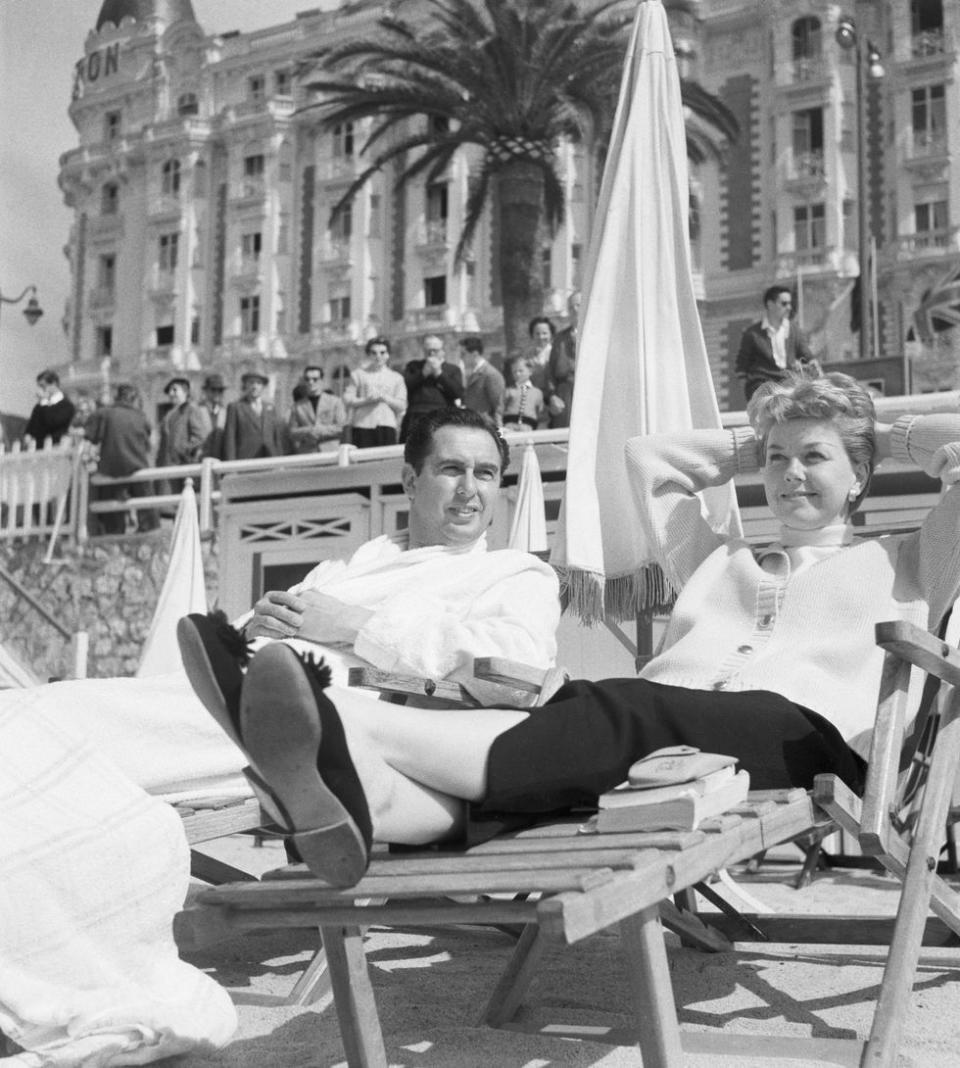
x=202, y=826
x=412, y=685
x=822, y=929
x=509, y=672
x=921, y=648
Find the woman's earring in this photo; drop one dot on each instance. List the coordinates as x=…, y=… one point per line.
x=854, y=491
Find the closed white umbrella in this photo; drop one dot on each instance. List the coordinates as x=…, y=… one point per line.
x=528, y=531
x=641, y=359
x=183, y=592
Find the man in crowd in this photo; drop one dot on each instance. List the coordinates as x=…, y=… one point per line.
x=52, y=414
x=215, y=411
x=252, y=427
x=431, y=383
x=773, y=345
x=122, y=434
x=485, y=388
x=561, y=368
x=316, y=420
x=376, y=398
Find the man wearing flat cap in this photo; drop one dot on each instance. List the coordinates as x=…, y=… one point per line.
x=214, y=411
x=252, y=428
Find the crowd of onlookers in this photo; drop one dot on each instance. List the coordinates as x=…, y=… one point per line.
x=375, y=405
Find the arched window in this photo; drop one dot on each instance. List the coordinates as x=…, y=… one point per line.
x=170, y=178
x=187, y=104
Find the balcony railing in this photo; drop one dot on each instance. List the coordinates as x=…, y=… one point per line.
x=249, y=189
x=820, y=257
x=163, y=281
x=337, y=168
x=927, y=143
x=808, y=69
x=808, y=165
x=927, y=43
x=928, y=243
x=334, y=251
x=166, y=205
x=101, y=297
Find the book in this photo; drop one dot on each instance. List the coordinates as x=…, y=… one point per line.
x=682, y=813
x=626, y=794
x=678, y=763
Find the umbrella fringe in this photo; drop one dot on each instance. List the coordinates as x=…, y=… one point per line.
x=619, y=597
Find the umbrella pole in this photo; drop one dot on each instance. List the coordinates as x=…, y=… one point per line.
x=644, y=638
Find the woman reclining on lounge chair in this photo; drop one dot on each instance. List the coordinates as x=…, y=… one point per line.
x=769, y=655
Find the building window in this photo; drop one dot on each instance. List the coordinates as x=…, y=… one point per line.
x=164, y=336
x=169, y=246
x=253, y=165
x=926, y=25
x=929, y=119
x=576, y=265
x=437, y=209
x=931, y=222
x=249, y=315
x=194, y=331
x=112, y=125
x=110, y=199
x=339, y=310
x=809, y=229
x=343, y=140
x=170, y=178
x=187, y=104
x=104, y=341
x=546, y=267
x=107, y=272
x=808, y=143
x=341, y=225
x=281, y=82
x=375, y=215
x=805, y=39
x=256, y=88
x=250, y=245
x=435, y=290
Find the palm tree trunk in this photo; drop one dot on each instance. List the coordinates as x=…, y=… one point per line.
x=520, y=188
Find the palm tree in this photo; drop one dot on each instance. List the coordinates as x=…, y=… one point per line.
x=510, y=77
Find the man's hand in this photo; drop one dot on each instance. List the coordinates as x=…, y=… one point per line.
x=330, y=621
x=556, y=405
x=277, y=614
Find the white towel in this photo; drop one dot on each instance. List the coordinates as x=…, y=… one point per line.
x=92, y=871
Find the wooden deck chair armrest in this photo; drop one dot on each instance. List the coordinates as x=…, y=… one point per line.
x=392, y=683
x=917, y=646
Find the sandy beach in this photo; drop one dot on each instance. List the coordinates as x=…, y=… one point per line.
x=431, y=986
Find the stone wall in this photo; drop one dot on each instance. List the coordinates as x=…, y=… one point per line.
x=108, y=587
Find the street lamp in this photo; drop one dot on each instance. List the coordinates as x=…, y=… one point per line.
x=32, y=311
x=869, y=65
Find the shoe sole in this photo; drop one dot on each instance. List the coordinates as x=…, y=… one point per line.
x=203, y=679
x=282, y=734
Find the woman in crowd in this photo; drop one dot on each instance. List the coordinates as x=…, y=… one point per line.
x=769, y=654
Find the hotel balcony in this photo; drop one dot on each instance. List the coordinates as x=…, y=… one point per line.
x=105, y=227
x=165, y=206
x=248, y=190
x=805, y=72
x=101, y=298
x=435, y=316
x=807, y=173
x=162, y=283
x=339, y=332
x=926, y=148
x=338, y=169
x=245, y=271
x=927, y=243
x=816, y=260
x=433, y=235
x=335, y=253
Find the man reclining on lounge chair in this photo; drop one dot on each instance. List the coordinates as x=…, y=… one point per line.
x=770, y=656
x=429, y=609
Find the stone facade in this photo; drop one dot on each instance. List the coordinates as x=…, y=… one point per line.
x=108, y=588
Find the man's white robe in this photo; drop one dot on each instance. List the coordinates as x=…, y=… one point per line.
x=434, y=610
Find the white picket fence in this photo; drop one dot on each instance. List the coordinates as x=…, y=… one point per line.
x=41, y=490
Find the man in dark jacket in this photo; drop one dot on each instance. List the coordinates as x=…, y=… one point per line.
x=252, y=428
x=122, y=434
x=773, y=345
x=431, y=383
x=52, y=414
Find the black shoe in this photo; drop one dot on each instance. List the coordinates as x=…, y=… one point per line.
x=293, y=734
x=215, y=655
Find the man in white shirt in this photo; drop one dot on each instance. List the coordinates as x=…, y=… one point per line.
x=376, y=398
x=772, y=345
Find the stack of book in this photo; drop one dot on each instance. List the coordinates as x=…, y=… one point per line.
x=673, y=790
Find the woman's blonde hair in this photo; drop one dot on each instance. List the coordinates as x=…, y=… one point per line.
x=835, y=397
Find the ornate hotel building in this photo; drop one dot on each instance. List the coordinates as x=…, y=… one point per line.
x=203, y=182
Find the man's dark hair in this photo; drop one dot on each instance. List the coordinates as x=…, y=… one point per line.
x=312, y=367
x=472, y=344
x=178, y=381
x=774, y=291
x=127, y=394
x=48, y=378
x=536, y=320
x=419, y=442
x=378, y=340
